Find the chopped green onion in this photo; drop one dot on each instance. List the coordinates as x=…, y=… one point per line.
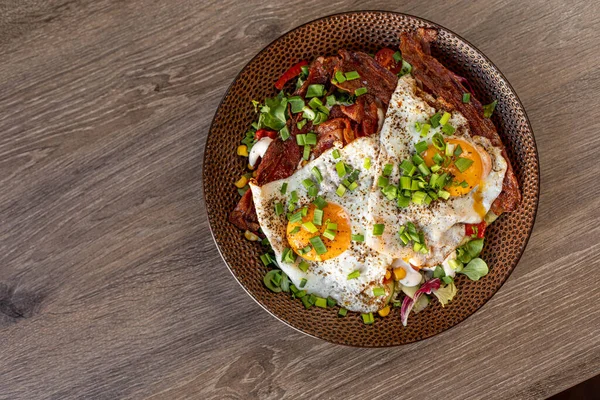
x=318, y=245
x=367, y=318
x=418, y=197
x=488, y=109
x=403, y=201
x=295, y=230
x=331, y=301
x=301, y=139
x=414, y=185
x=310, y=227
x=308, y=113
x=294, y=197
x=315, y=90
x=425, y=129
x=305, y=250
x=307, y=183
x=329, y=234
x=435, y=120
x=445, y=118
x=466, y=97
x=464, y=184
x=351, y=75
x=300, y=294
x=301, y=124
x=367, y=163
x=387, y=169
x=438, y=159
x=405, y=182
x=417, y=159
x=266, y=259
x=447, y=280
x=320, y=202
x=443, y=194
x=336, y=154
x=421, y=146
x=406, y=68
x=438, y=142
x=303, y=282
x=343, y=312
x=424, y=169
x=448, y=129
x=340, y=167
x=296, y=217
x=435, y=168
x=306, y=302
x=449, y=149
x=353, y=186
x=315, y=103
x=378, y=229
x=311, y=138
x=313, y=191
x=318, y=217
x=306, y=153
x=278, y=209
x=358, y=238
x=418, y=126
x=360, y=91
x=353, y=275
x=408, y=168
x=378, y=291
x=463, y=163
x=458, y=151
x=285, y=133
x=320, y=118
x=317, y=174
x=383, y=181
x=341, y=189
x=303, y=266
x=332, y=226
x=288, y=256
x=339, y=76
x=321, y=302
x=283, y=188
x=397, y=56
x=330, y=100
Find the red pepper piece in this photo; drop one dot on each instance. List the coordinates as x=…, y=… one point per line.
x=385, y=58
x=294, y=71
x=261, y=133
x=478, y=229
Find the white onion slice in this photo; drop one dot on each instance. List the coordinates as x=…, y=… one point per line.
x=258, y=150
x=380, y=118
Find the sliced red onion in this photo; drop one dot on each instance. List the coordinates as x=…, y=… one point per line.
x=258, y=150
x=408, y=303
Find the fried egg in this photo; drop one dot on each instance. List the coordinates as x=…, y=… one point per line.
x=441, y=222
x=325, y=272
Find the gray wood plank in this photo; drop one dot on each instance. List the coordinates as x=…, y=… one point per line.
x=110, y=286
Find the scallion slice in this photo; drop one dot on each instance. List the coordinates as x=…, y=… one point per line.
x=340, y=167
x=488, y=109
x=418, y=160
x=318, y=245
x=283, y=188
x=378, y=291
x=301, y=123
x=303, y=282
x=418, y=197
x=285, y=133
x=303, y=266
x=330, y=100
x=278, y=209
x=336, y=154
x=351, y=75
x=403, y=201
x=458, y=151
x=332, y=226
x=315, y=90
x=397, y=56
x=435, y=120
x=318, y=217
x=343, y=312
x=301, y=139
x=295, y=230
x=340, y=77
x=329, y=234
x=438, y=159
x=448, y=129
x=354, y=274
x=341, y=190
x=360, y=91
x=315, y=103
x=358, y=237
x=405, y=182
x=408, y=168
x=438, y=142
x=311, y=138
x=297, y=103
x=445, y=118
x=306, y=153
x=367, y=163
x=443, y=194
x=309, y=227
x=421, y=146
x=383, y=181
x=320, y=202
x=466, y=97
x=463, y=163
x=296, y=217
x=321, y=302
x=317, y=174
x=387, y=169
x=307, y=183
x=378, y=229
x=368, y=318
x=308, y=113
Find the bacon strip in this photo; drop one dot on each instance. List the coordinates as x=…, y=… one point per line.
x=319, y=72
x=379, y=82
x=444, y=84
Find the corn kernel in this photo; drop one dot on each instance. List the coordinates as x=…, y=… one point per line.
x=241, y=182
x=388, y=274
x=242, y=150
x=250, y=167
x=399, y=273
x=384, y=311
x=250, y=236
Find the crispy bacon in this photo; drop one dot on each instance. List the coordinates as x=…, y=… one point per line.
x=331, y=131
x=444, y=84
x=364, y=113
x=379, y=82
x=319, y=72
x=244, y=214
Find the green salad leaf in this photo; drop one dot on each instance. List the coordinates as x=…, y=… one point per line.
x=475, y=269
x=469, y=251
x=272, y=114
x=446, y=294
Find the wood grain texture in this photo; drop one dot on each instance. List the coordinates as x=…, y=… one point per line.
x=110, y=284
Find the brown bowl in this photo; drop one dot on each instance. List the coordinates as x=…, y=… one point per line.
x=366, y=31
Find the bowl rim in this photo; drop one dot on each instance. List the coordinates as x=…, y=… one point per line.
x=494, y=68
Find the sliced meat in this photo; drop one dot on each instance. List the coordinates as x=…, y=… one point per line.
x=331, y=131
x=379, y=82
x=320, y=71
x=444, y=84
x=244, y=214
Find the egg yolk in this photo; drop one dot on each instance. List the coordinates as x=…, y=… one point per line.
x=299, y=240
x=471, y=175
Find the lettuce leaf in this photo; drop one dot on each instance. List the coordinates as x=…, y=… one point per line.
x=446, y=294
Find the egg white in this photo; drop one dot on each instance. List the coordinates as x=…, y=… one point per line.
x=329, y=277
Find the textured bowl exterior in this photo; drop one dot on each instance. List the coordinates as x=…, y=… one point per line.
x=366, y=31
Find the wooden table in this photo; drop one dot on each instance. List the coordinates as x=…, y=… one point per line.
x=110, y=284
